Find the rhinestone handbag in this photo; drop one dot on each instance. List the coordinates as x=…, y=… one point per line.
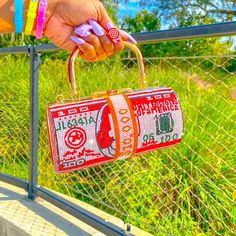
x=112, y=125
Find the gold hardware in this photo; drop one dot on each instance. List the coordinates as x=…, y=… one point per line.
x=143, y=82
x=107, y=93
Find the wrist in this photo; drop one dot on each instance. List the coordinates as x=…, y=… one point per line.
x=51, y=5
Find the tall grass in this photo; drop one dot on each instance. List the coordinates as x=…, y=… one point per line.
x=185, y=190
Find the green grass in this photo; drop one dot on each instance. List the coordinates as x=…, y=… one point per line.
x=185, y=190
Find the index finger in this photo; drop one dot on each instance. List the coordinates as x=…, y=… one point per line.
x=127, y=37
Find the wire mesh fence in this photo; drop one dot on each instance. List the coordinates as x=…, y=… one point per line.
x=14, y=116
x=184, y=190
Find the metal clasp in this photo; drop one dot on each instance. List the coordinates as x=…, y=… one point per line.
x=107, y=93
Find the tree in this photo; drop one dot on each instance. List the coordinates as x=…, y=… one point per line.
x=145, y=21
x=178, y=10
x=111, y=7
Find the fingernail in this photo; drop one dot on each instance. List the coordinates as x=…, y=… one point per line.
x=130, y=38
x=110, y=26
x=77, y=40
x=83, y=30
x=97, y=29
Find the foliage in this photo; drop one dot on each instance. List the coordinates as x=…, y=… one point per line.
x=178, y=10
x=145, y=21
x=111, y=7
x=14, y=39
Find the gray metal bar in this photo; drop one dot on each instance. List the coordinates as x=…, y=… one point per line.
x=199, y=31
x=33, y=165
x=46, y=48
x=14, y=50
x=14, y=181
x=91, y=219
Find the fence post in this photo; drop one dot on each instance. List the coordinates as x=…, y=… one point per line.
x=33, y=163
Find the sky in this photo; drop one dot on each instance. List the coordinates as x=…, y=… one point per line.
x=131, y=8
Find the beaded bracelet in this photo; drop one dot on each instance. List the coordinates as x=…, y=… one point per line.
x=31, y=15
x=18, y=17
x=41, y=19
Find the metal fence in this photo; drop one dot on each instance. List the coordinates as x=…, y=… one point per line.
x=185, y=190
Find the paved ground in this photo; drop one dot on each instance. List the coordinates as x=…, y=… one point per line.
x=21, y=216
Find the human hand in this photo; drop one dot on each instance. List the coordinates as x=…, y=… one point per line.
x=64, y=16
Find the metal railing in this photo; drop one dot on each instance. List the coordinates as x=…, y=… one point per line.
x=171, y=187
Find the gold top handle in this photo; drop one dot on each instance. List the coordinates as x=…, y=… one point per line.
x=133, y=47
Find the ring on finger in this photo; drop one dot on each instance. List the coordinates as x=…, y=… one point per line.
x=114, y=35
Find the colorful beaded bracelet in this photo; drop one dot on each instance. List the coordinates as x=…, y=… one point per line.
x=31, y=15
x=41, y=19
x=18, y=17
